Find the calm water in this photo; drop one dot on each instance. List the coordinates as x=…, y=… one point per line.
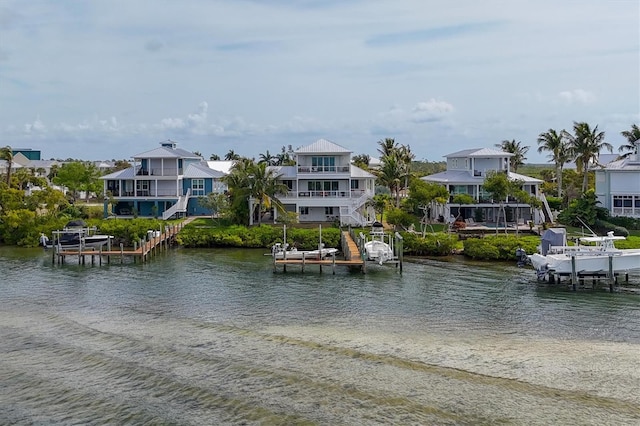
x=215, y=337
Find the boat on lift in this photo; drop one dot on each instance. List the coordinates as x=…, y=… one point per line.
x=590, y=255
x=377, y=249
x=76, y=235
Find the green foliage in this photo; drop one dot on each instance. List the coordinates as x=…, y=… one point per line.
x=585, y=208
x=399, y=217
x=438, y=244
x=196, y=235
x=128, y=231
x=499, y=247
x=625, y=222
x=77, y=176
x=602, y=226
x=555, y=203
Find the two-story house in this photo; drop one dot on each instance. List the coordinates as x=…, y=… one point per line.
x=618, y=185
x=325, y=187
x=163, y=182
x=465, y=174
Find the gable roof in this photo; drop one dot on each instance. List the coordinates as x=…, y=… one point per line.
x=357, y=172
x=464, y=177
x=480, y=152
x=223, y=166
x=129, y=173
x=167, y=152
x=322, y=146
x=202, y=170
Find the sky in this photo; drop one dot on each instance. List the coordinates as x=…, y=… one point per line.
x=108, y=79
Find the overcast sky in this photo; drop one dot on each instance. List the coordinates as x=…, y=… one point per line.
x=111, y=79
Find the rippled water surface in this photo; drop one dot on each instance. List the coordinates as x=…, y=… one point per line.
x=215, y=337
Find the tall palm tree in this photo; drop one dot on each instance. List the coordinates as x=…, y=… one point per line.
x=387, y=146
x=560, y=153
x=391, y=174
x=631, y=147
x=6, y=154
x=267, y=158
x=586, y=144
x=514, y=147
x=214, y=157
x=231, y=156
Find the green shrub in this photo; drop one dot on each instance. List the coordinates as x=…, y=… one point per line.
x=439, y=244
x=500, y=247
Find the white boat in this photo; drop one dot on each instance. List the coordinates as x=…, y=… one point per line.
x=76, y=235
x=280, y=251
x=599, y=255
x=376, y=249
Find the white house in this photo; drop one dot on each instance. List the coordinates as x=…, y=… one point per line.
x=618, y=185
x=325, y=187
x=465, y=174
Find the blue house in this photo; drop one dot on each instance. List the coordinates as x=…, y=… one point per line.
x=164, y=182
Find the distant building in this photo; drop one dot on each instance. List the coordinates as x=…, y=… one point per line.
x=465, y=174
x=618, y=185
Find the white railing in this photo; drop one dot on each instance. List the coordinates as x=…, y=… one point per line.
x=546, y=209
x=179, y=207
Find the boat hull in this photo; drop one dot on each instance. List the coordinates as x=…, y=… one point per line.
x=305, y=254
x=621, y=261
x=378, y=251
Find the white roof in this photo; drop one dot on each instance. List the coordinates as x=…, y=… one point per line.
x=285, y=171
x=167, y=152
x=463, y=177
x=322, y=146
x=480, y=152
x=223, y=166
x=128, y=173
x=357, y=172
x=626, y=164
x=201, y=170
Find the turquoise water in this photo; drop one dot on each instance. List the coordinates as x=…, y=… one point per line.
x=215, y=337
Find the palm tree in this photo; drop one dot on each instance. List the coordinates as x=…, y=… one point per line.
x=391, y=175
x=387, y=146
x=267, y=158
x=517, y=150
x=214, y=157
x=586, y=144
x=231, y=156
x=633, y=137
x=557, y=144
x=6, y=154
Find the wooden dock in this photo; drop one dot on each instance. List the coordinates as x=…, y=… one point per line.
x=352, y=258
x=154, y=242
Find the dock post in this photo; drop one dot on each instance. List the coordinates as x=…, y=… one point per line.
x=611, y=273
x=574, y=276
x=333, y=262
x=121, y=253
x=303, y=259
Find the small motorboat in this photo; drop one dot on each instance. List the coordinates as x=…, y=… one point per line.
x=376, y=249
x=76, y=235
x=283, y=251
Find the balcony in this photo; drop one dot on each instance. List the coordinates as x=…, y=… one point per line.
x=324, y=169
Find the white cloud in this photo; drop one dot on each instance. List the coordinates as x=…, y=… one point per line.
x=37, y=126
x=577, y=96
x=431, y=110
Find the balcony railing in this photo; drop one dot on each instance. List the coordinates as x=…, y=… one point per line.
x=324, y=169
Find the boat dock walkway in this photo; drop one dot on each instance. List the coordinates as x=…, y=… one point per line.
x=352, y=258
x=154, y=242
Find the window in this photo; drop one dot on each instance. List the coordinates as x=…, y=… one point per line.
x=355, y=184
x=328, y=211
x=142, y=187
x=323, y=164
x=197, y=187
x=289, y=184
x=304, y=211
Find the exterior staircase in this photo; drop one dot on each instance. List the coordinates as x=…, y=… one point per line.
x=546, y=210
x=179, y=207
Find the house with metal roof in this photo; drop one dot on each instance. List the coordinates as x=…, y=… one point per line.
x=618, y=185
x=325, y=187
x=465, y=174
x=164, y=182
